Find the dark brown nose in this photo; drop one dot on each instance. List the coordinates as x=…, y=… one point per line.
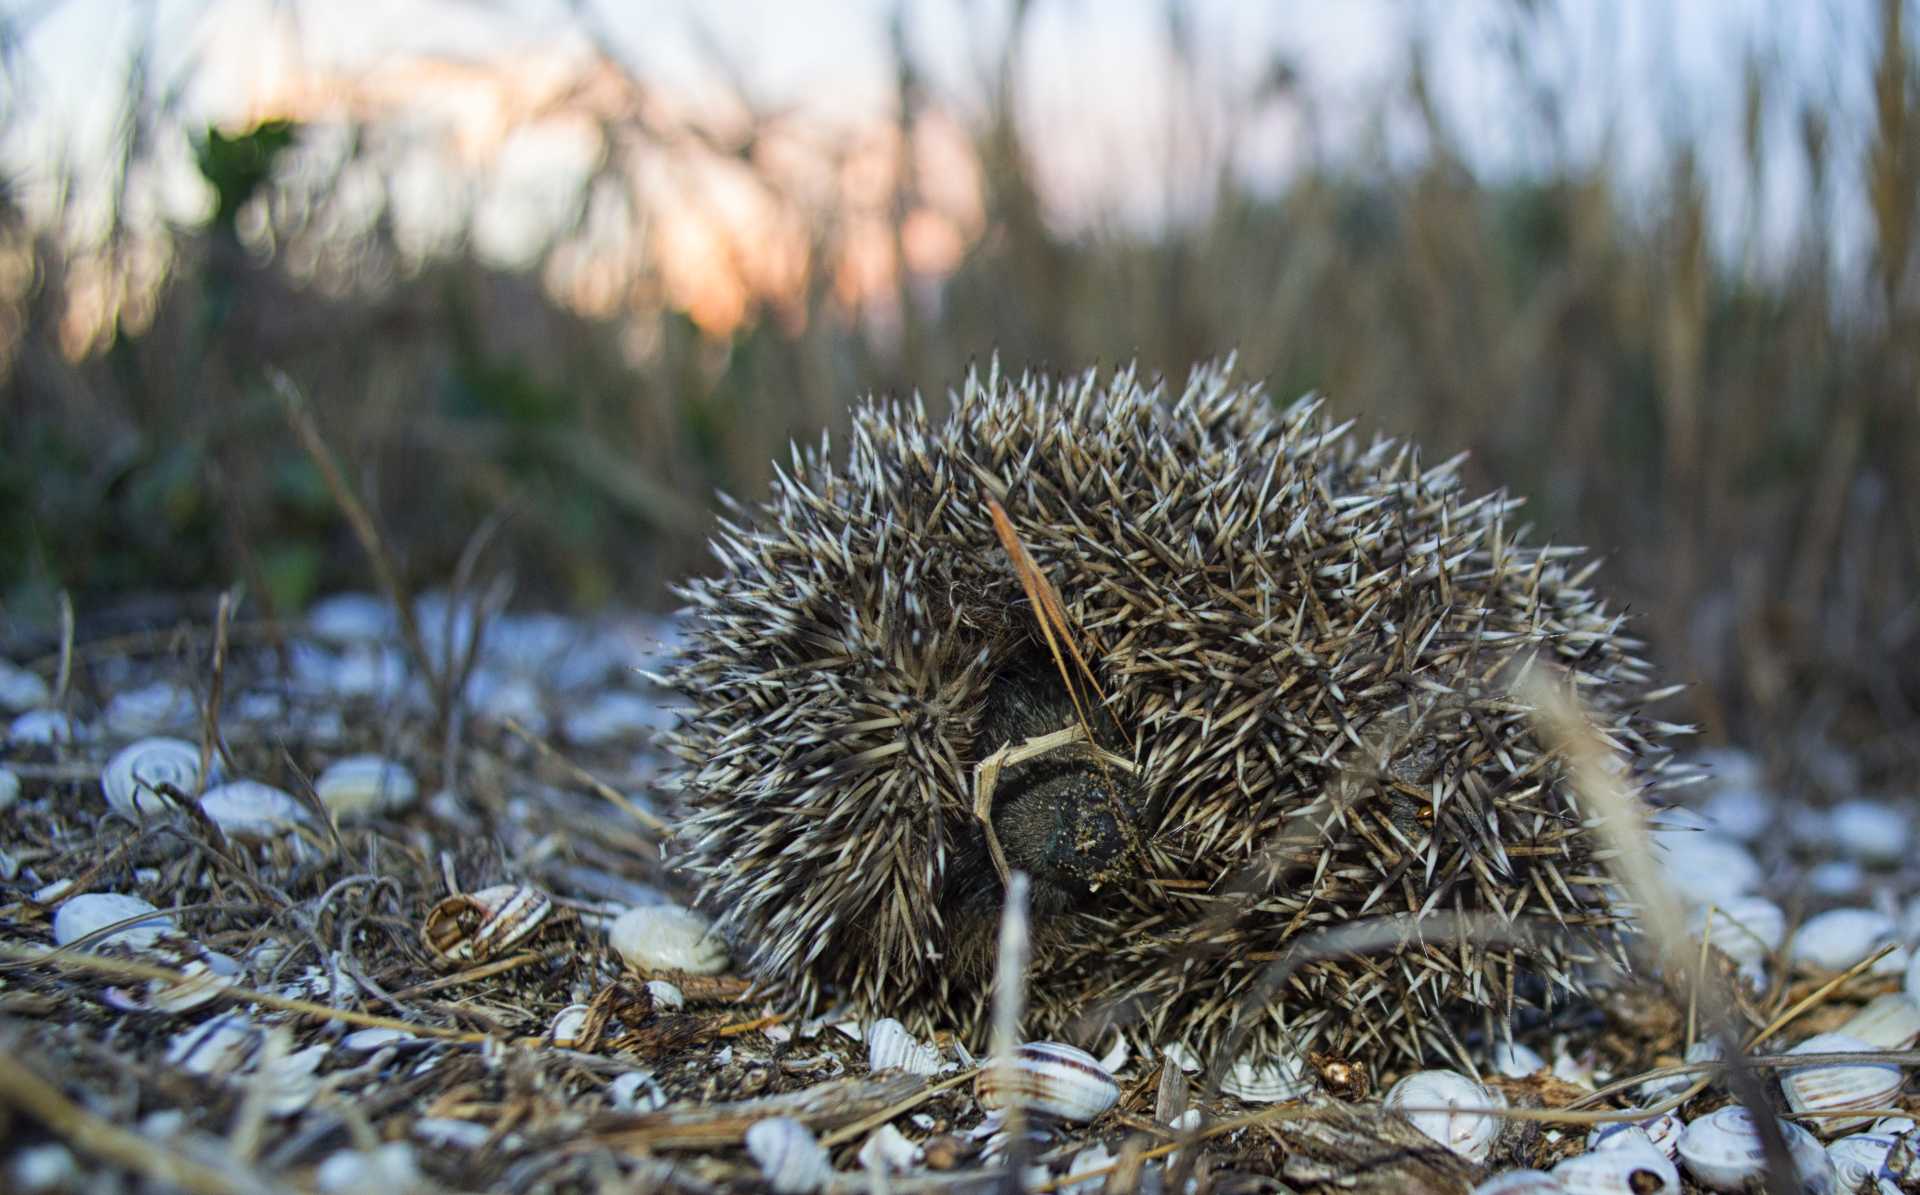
x=1063, y=828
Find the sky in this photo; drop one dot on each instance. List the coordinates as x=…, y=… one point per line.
x=1102, y=106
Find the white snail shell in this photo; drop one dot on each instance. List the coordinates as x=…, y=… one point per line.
x=792, y=1161
x=90, y=911
x=891, y=1047
x=132, y=779
x=1861, y=1157
x=365, y=786
x=1520, y=1182
x=888, y=1149
x=1839, y=938
x=1050, y=1079
x=1662, y=1132
x=569, y=1026
x=668, y=938
x=1722, y=1150
x=472, y=927
x=1450, y=1099
x=1747, y=929
x=1632, y=1169
x=250, y=809
x=1516, y=1061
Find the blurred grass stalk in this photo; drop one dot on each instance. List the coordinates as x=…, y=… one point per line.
x=1740, y=442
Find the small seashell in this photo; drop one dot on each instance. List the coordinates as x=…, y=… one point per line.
x=351, y=617
x=367, y=1041
x=1722, y=1150
x=1835, y=878
x=1520, y=1182
x=1115, y=1059
x=891, y=1047
x=1271, y=1082
x=1094, y=1157
x=1740, y=812
x=365, y=786
x=668, y=938
x=1182, y=1056
x=612, y=716
x=132, y=778
x=1635, y=1168
x=1891, y=1126
x=150, y=709
x=792, y=1161
x=1747, y=929
x=1516, y=1061
x=44, y=728
x=1889, y=1022
x=389, y=1167
x=221, y=1046
x=250, y=809
x=1048, y=1079
x=888, y=1150
x=666, y=995
x=1444, y=1105
x=637, y=1091
x=9, y=789
x=1832, y=1087
x=1863, y=1157
x=83, y=914
x=444, y=1132
x=1871, y=831
x=21, y=690
x=1708, y=869
x=43, y=1169
x=1661, y=1132
x=569, y=1025
x=1839, y=938
x=472, y=927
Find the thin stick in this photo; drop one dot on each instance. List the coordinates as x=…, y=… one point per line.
x=848, y=1132
x=613, y=795
x=385, y=569
x=210, y=714
x=64, y=676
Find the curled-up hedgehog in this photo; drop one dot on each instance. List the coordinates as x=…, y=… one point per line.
x=1295, y=719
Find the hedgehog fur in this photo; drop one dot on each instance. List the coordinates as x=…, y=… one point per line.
x=1301, y=641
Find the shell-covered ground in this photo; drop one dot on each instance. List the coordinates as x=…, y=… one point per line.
x=399, y=974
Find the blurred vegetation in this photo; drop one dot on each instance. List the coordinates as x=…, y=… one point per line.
x=1740, y=444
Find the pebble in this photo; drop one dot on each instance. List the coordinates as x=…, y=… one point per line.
x=365, y=786
x=151, y=709
x=668, y=938
x=9, y=789
x=390, y=1167
x=1871, y=831
x=613, y=715
x=44, y=728
x=351, y=617
x=21, y=690
x=83, y=914
x=48, y=1167
x=1707, y=869
x=1839, y=938
x=250, y=809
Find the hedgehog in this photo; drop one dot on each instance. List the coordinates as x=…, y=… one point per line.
x=1294, y=719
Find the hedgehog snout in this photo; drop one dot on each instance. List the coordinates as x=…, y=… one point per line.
x=1063, y=830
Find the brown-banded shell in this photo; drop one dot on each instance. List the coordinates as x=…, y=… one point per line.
x=1889, y=1022
x=1838, y=1086
x=1048, y=1079
x=1632, y=1169
x=472, y=927
x=1446, y=1106
x=792, y=1161
x=365, y=786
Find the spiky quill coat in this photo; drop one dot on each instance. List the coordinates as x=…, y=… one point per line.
x=1303, y=642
